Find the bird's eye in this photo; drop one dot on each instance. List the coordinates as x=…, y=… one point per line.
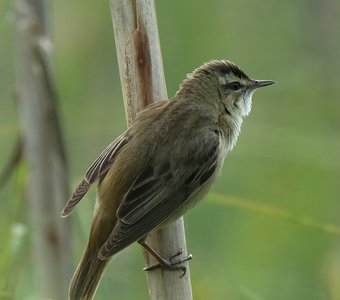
x=235, y=86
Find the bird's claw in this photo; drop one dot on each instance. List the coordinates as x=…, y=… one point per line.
x=171, y=265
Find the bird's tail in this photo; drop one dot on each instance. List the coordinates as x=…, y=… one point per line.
x=87, y=276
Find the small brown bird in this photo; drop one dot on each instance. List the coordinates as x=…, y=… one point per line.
x=161, y=166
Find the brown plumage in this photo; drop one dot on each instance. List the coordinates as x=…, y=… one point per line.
x=162, y=165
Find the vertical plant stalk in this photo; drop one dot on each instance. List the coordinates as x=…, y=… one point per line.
x=43, y=150
x=142, y=78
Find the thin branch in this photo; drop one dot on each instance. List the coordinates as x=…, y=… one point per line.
x=43, y=150
x=12, y=162
x=143, y=82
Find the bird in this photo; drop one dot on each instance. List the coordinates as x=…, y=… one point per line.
x=161, y=166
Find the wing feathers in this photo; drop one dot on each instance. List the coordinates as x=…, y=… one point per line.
x=104, y=162
x=156, y=195
x=97, y=170
x=76, y=196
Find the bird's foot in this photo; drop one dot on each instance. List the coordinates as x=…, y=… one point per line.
x=170, y=264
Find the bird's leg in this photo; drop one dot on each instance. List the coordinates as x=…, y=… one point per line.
x=168, y=263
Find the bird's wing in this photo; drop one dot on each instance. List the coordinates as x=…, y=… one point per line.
x=159, y=191
x=97, y=170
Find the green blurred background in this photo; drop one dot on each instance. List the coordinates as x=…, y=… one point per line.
x=287, y=155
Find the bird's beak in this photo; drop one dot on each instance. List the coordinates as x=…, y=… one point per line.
x=262, y=83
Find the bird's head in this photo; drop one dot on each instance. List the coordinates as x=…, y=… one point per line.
x=223, y=83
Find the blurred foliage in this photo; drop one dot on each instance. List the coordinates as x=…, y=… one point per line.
x=287, y=155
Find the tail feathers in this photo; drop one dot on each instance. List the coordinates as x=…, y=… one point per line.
x=86, y=277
